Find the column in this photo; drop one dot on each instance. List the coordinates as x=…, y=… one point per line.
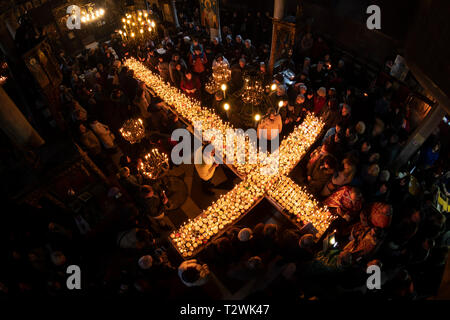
x=278, y=15
x=174, y=12
x=15, y=125
x=418, y=137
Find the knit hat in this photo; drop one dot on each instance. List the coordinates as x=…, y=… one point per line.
x=145, y=262
x=161, y=51
x=245, y=234
x=385, y=175
x=360, y=127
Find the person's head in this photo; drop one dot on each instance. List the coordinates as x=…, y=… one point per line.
x=338, y=137
x=385, y=175
x=347, y=164
x=319, y=65
x=281, y=90
x=329, y=162
x=270, y=230
x=300, y=99
x=82, y=128
x=374, y=157
x=176, y=57
x=309, y=94
x=306, y=242
x=147, y=191
x=58, y=258
x=254, y=263
x=145, y=262
x=322, y=92
x=373, y=170
x=303, y=89
x=360, y=128
x=262, y=67
x=307, y=61
x=242, y=63
x=325, y=148
x=346, y=110
x=124, y=172
x=114, y=192
x=355, y=194
x=339, y=127
x=197, y=50
x=436, y=147
x=238, y=38
x=188, y=75
x=215, y=41
x=271, y=113
x=331, y=92
x=365, y=147
x=248, y=43
x=218, y=96
x=378, y=127
x=190, y=275
x=219, y=58
x=245, y=234
x=117, y=93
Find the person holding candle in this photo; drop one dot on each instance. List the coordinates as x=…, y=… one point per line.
x=269, y=129
x=341, y=178
x=320, y=100
x=205, y=168
x=237, y=75
x=153, y=205
x=218, y=103
x=198, y=60
x=191, y=85
x=320, y=173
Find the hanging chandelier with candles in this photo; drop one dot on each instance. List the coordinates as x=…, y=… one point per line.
x=221, y=74
x=137, y=25
x=133, y=130
x=90, y=13
x=252, y=91
x=154, y=164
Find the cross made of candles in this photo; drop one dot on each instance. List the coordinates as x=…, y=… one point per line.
x=268, y=178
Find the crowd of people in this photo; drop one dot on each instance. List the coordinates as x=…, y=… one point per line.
x=380, y=222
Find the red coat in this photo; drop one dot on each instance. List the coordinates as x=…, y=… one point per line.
x=198, y=62
x=319, y=103
x=194, y=83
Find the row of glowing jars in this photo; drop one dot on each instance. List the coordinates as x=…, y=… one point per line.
x=195, y=233
x=291, y=150
x=294, y=147
x=301, y=204
x=188, y=108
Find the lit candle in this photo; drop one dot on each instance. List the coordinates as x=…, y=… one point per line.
x=223, y=87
